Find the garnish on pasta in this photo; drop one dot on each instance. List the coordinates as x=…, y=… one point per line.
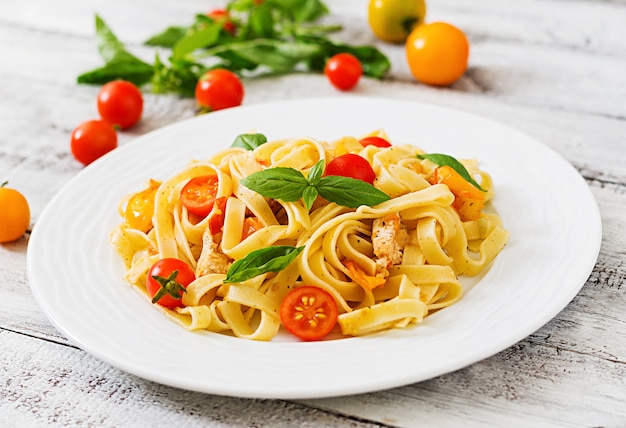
x=380, y=233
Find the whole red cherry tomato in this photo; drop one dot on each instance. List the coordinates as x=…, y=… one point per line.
x=374, y=141
x=343, y=70
x=308, y=312
x=120, y=103
x=167, y=280
x=219, y=89
x=92, y=139
x=221, y=15
x=353, y=166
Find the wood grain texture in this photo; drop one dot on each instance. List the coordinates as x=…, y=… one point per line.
x=553, y=69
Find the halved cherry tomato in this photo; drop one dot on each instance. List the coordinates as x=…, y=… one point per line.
x=219, y=89
x=14, y=215
x=91, y=140
x=374, y=141
x=221, y=15
x=140, y=207
x=120, y=103
x=437, y=53
x=353, y=166
x=167, y=280
x=198, y=195
x=308, y=312
x=343, y=70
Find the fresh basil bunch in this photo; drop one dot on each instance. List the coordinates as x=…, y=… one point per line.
x=273, y=36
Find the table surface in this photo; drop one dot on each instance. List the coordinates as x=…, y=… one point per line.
x=553, y=69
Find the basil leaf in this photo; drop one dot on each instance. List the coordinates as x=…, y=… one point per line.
x=249, y=141
x=447, y=160
x=137, y=73
x=260, y=21
x=309, y=195
x=197, y=37
x=270, y=259
x=316, y=173
x=350, y=192
x=286, y=184
x=302, y=11
x=167, y=38
x=276, y=55
x=119, y=63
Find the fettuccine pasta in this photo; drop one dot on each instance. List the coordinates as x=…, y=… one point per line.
x=387, y=266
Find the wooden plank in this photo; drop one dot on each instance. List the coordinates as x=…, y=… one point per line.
x=526, y=385
x=45, y=384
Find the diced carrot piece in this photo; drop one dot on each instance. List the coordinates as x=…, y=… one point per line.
x=468, y=200
x=360, y=277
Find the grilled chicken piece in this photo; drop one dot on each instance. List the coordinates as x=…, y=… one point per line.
x=389, y=237
x=211, y=259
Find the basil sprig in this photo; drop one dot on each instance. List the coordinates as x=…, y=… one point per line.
x=290, y=185
x=263, y=260
x=447, y=160
x=271, y=37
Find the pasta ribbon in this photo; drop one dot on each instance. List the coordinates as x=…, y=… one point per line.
x=386, y=266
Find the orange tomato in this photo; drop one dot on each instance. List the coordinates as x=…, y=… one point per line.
x=14, y=214
x=437, y=53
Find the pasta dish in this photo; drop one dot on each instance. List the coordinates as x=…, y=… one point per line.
x=380, y=246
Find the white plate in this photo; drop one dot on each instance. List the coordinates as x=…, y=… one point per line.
x=546, y=205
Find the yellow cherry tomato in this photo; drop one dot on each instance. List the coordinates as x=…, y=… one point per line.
x=140, y=207
x=393, y=20
x=437, y=53
x=14, y=214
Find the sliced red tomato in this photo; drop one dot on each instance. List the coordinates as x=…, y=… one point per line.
x=198, y=195
x=374, y=141
x=353, y=166
x=167, y=281
x=309, y=312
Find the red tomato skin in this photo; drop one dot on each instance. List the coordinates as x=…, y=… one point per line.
x=222, y=14
x=216, y=221
x=353, y=166
x=293, y=303
x=219, y=89
x=120, y=103
x=164, y=268
x=198, y=195
x=344, y=71
x=375, y=141
x=91, y=140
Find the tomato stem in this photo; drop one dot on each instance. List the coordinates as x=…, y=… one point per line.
x=169, y=286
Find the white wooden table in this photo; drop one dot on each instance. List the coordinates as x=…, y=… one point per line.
x=553, y=69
